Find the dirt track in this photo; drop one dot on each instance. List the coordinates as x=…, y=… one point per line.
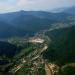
x=48, y=70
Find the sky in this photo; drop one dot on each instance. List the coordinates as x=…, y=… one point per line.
x=30, y=5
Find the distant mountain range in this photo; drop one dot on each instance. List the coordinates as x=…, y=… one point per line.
x=24, y=23
x=70, y=10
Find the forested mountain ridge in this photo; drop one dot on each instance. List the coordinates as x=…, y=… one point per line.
x=23, y=23
x=62, y=48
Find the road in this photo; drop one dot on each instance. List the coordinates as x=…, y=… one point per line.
x=48, y=69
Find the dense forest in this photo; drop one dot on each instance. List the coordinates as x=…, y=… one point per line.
x=62, y=48
x=7, y=49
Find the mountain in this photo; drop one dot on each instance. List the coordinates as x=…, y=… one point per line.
x=22, y=23
x=62, y=48
x=6, y=29
x=28, y=14
x=57, y=10
x=7, y=49
x=68, y=10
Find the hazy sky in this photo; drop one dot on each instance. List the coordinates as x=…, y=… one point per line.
x=13, y=5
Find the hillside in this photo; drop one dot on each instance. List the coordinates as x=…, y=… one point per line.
x=62, y=48
x=7, y=49
x=27, y=23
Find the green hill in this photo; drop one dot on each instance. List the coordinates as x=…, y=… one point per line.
x=62, y=48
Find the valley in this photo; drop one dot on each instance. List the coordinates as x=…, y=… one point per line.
x=34, y=57
x=31, y=57
x=37, y=43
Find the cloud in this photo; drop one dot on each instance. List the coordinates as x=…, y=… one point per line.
x=12, y=5
x=22, y=2
x=44, y=4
